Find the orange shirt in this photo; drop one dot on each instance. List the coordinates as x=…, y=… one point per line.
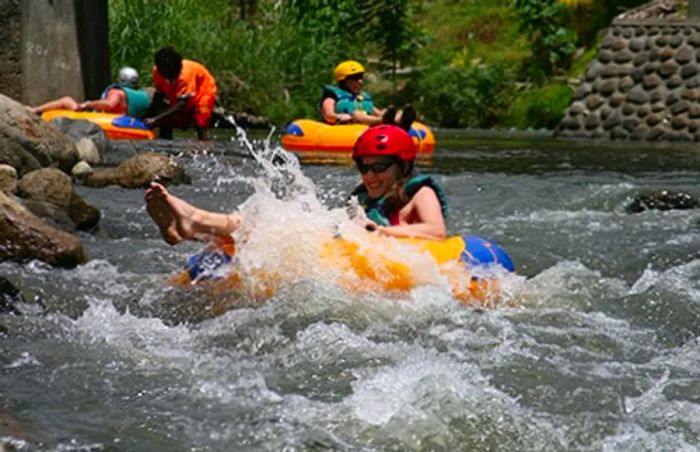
x=194, y=79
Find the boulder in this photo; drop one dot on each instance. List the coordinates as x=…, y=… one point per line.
x=28, y=143
x=24, y=237
x=138, y=172
x=52, y=186
x=79, y=129
x=9, y=297
x=662, y=200
x=8, y=178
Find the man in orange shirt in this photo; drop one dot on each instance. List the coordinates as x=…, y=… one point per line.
x=189, y=90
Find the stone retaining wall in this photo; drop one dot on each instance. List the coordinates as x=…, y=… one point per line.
x=644, y=85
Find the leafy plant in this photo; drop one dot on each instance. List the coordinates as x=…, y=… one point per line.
x=464, y=96
x=552, y=42
x=539, y=108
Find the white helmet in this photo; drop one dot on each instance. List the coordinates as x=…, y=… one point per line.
x=128, y=76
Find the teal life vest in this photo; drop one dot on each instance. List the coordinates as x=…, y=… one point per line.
x=347, y=102
x=137, y=100
x=375, y=209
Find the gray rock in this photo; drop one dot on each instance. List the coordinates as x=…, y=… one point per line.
x=605, y=56
x=676, y=41
x=87, y=151
x=679, y=122
x=637, y=95
x=24, y=237
x=651, y=81
x=28, y=143
x=81, y=169
x=653, y=120
x=594, y=101
x=138, y=172
x=662, y=200
x=685, y=55
x=689, y=70
x=51, y=186
x=637, y=44
x=623, y=56
x=8, y=178
x=679, y=107
x=668, y=68
x=641, y=58
x=78, y=129
x=674, y=81
x=612, y=121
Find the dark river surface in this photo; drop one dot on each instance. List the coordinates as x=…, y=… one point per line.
x=593, y=347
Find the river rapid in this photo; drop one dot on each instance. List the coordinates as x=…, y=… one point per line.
x=593, y=346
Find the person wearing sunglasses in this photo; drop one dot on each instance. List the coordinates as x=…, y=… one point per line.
x=396, y=201
x=346, y=102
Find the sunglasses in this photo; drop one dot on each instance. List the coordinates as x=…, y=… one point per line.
x=355, y=77
x=376, y=167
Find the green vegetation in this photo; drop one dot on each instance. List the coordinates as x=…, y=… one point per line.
x=463, y=63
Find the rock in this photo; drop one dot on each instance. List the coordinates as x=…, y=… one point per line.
x=668, y=68
x=24, y=237
x=689, y=70
x=78, y=129
x=651, y=81
x=28, y=143
x=139, y=171
x=87, y=151
x=8, y=178
x=9, y=296
x=637, y=95
x=54, y=187
x=80, y=170
x=684, y=55
x=662, y=200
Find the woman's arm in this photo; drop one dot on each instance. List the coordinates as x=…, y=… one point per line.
x=425, y=217
x=115, y=97
x=329, y=114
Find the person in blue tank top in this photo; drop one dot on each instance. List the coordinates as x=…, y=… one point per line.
x=396, y=201
x=346, y=102
x=121, y=98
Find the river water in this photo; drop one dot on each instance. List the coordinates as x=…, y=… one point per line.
x=593, y=347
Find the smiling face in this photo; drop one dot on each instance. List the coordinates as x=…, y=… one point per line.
x=378, y=174
x=353, y=83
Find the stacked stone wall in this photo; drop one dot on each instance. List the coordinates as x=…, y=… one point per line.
x=644, y=85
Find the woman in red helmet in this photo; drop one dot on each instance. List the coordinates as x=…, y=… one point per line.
x=396, y=201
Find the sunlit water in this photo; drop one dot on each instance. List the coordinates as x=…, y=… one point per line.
x=597, y=349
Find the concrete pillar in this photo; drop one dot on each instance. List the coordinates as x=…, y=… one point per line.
x=694, y=9
x=64, y=49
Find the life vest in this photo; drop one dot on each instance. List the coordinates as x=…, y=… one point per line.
x=375, y=209
x=347, y=102
x=137, y=100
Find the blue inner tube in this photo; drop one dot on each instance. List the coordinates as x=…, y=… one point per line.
x=479, y=251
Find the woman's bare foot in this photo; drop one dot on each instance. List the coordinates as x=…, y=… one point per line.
x=161, y=213
x=173, y=216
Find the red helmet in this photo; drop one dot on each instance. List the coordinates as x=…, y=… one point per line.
x=385, y=140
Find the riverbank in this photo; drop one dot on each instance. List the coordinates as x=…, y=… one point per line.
x=462, y=64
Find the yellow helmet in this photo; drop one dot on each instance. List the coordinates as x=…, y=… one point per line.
x=347, y=68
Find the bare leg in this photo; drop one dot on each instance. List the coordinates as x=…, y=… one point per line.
x=64, y=103
x=190, y=222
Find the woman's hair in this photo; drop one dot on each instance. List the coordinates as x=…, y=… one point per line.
x=396, y=197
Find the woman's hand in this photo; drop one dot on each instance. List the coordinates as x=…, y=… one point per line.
x=370, y=225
